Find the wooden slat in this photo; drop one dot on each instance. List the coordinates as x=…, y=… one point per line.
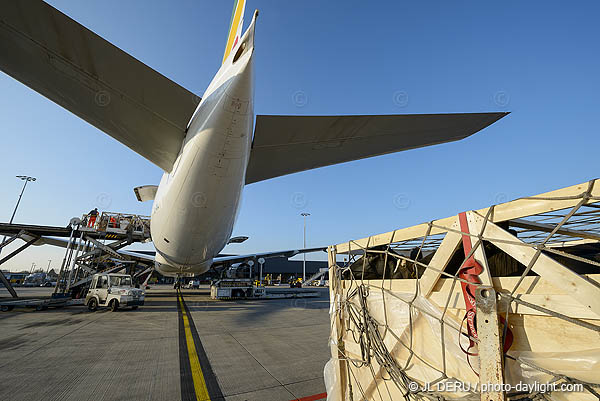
x=337, y=325
x=529, y=285
x=479, y=253
x=491, y=371
x=560, y=276
x=564, y=304
x=545, y=333
x=548, y=228
x=439, y=261
x=506, y=211
x=398, y=235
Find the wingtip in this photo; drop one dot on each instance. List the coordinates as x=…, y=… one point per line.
x=499, y=114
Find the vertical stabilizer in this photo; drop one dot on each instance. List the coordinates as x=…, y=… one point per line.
x=235, y=27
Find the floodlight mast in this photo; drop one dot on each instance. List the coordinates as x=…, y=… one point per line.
x=25, y=178
x=304, y=215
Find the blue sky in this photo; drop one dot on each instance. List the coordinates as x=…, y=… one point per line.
x=537, y=59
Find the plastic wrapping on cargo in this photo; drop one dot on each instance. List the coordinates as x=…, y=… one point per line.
x=582, y=365
x=426, y=324
x=391, y=311
x=394, y=316
x=332, y=384
x=331, y=369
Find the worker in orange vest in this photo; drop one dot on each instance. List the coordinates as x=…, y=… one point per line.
x=92, y=217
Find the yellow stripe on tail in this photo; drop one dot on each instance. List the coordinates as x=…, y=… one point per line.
x=235, y=27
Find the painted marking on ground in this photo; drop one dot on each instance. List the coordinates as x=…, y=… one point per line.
x=198, y=381
x=315, y=397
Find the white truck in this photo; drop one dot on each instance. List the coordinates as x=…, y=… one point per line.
x=234, y=288
x=114, y=291
x=246, y=288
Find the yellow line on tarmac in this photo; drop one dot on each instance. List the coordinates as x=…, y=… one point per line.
x=197, y=376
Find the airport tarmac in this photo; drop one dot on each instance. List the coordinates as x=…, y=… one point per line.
x=246, y=349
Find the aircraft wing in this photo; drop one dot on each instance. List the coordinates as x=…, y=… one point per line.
x=289, y=144
x=77, y=69
x=149, y=256
x=231, y=259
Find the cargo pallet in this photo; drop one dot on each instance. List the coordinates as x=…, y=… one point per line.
x=484, y=300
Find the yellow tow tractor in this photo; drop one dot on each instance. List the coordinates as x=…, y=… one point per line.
x=295, y=282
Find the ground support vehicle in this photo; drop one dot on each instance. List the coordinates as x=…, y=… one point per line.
x=245, y=288
x=113, y=291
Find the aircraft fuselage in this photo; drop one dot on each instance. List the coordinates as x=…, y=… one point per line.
x=196, y=204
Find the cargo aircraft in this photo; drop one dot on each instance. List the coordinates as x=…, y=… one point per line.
x=208, y=147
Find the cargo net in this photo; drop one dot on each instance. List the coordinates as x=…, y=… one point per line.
x=400, y=327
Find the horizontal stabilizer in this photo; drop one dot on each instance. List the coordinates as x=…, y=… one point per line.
x=145, y=193
x=289, y=144
x=77, y=69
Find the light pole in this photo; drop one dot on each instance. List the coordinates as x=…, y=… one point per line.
x=25, y=178
x=304, y=215
x=48, y=269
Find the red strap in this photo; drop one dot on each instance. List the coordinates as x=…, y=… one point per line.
x=508, y=340
x=469, y=272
